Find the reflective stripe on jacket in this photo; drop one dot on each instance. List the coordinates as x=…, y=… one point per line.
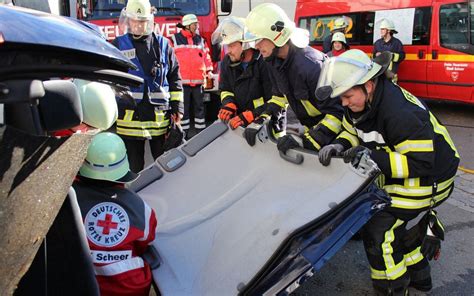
x=193, y=56
x=412, y=149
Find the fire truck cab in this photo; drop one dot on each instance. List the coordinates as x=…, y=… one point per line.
x=437, y=35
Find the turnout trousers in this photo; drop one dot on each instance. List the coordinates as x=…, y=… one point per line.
x=393, y=252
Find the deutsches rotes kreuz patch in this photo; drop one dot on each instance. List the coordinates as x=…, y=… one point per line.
x=107, y=224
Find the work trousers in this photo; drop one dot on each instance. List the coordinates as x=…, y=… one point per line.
x=136, y=151
x=194, y=95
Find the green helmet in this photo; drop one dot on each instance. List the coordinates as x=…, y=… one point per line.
x=351, y=68
x=98, y=103
x=107, y=160
x=268, y=20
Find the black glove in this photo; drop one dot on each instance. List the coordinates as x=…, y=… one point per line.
x=251, y=131
x=431, y=245
x=174, y=137
x=327, y=152
x=176, y=107
x=354, y=154
x=288, y=142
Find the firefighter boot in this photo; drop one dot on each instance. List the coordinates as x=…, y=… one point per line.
x=420, y=276
x=398, y=287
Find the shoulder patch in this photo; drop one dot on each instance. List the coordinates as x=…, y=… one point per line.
x=107, y=224
x=130, y=53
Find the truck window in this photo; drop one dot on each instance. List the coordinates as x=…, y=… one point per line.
x=422, y=26
x=106, y=9
x=455, y=28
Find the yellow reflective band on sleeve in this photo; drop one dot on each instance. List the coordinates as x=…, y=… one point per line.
x=414, y=146
x=310, y=109
x=332, y=122
x=395, y=57
x=278, y=135
x=225, y=94
x=439, y=129
x=280, y=101
x=315, y=144
x=413, y=257
x=398, y=165
x=348, y=127
x=258, y=102
x=351, y=138
x=265, y=115
x=128, y=115
x=176, y=96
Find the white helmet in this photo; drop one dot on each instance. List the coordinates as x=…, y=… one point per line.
x=268, y=20
x=99, y=107
x=137, y=10
x=189, y=19
x=351, y=68
x=232, y=29
x=339, y=23
x=339, y=36
x=389, y=25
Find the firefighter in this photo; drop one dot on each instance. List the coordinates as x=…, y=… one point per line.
x=414, y=152
x=388, y=42
x=148, y=111
x=195, y=66
x=244, y=82
x=119, y=224
x=338, y=45
x=294, y=69
x=340, y=25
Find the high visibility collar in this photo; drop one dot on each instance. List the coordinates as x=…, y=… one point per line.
x=187, y=33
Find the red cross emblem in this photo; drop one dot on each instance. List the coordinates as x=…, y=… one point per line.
x=107, y=224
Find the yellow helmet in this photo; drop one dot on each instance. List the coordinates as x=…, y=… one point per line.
x=189, y=19
x=351, y=68
x=270, y=21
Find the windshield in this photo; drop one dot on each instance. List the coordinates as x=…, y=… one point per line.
x=106, y=9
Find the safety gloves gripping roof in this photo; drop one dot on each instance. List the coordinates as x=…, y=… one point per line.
x=243, y=119
x=327, y=152
x=431, y=246
x=288, y=142
x=354, y=154
x=252, y=130
x=227, y=112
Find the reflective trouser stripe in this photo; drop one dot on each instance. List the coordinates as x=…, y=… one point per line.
x=392, y=270
x=413, y=257
x=119, y=267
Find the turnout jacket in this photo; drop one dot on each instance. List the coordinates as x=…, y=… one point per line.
x=157, y=65
x=249, y=88
x=119, y=227
x=410, y=146
x=395, y=46
x=294, y=81
x=193, y=56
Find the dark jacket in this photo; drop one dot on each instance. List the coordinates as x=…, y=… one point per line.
x=295, y=80
x=412, y=149
x=249, y=88
x=395, y=46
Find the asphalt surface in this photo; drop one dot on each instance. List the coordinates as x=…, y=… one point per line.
x=347, y=273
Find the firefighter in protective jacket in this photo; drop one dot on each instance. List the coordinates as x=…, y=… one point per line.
x=244, y=80
x=413, y=150
x=388, y=42
x=146, y=112
x=195, y=66
x=119, y=224
x=294, y=70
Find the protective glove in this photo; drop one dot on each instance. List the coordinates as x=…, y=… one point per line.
x=251, y=131
x=244, y=118
x=354, y=154
x=288, y=142
x=227, y=112
x=431, y=245
x=327, y=152
x=177, y=110
x=174, y=137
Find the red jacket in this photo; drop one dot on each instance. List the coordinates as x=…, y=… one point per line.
x=193, y=57
x=119, y=226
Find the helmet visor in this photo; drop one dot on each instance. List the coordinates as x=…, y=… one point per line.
x=135, y=24
x=340, y=74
